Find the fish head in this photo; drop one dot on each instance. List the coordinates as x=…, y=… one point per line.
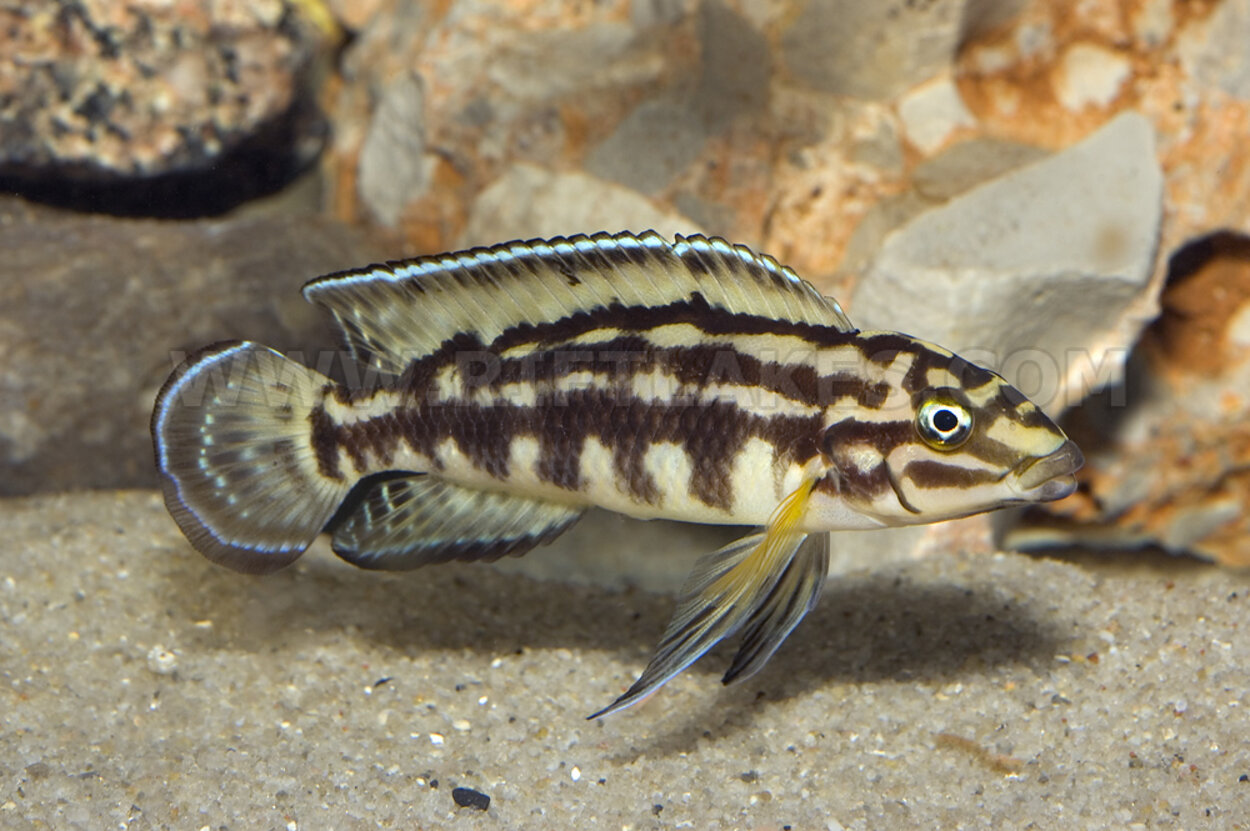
x=946, y=439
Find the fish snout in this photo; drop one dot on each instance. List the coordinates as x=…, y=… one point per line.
x=1047, y=478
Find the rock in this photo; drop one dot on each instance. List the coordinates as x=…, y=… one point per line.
x=1058, y=72
x=96, y=90
x=472, y=121
x=1090, y=75
x=969, y=163
x=1043, y=274
x=958, y=168
x=469, y=798
x=1169, y=460
x=877, y=50
x=453, y=96
x=1213, y=50
x=931, y=112
x=528, y=201
x=95, y=312
x=663, y=135
x=394, y=166
x=786, y=125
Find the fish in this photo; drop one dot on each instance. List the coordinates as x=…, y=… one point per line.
x=503, y=391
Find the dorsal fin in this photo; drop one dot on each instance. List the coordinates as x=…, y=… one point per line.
x=400, y=311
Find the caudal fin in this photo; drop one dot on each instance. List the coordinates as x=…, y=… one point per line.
x=233, y=446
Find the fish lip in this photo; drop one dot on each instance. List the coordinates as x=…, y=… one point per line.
x=1050, y=477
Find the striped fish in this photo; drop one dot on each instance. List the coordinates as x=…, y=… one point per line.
x=514, y=387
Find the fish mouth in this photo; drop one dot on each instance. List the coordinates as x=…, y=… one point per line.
x=1047, y=478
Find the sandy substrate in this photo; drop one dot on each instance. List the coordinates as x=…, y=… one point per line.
x=143, y=687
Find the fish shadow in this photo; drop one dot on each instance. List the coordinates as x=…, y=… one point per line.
x=874, y=628
x=903, y=623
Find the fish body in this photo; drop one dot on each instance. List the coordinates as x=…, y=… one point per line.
x=514, y=387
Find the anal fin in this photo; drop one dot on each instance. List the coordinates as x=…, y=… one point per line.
x=418, y=520
x=743, y=584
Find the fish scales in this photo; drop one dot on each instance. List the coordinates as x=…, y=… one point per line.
x=704, y=398
x=512, y=387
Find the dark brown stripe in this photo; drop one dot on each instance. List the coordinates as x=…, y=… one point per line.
x=620, y=358
x=898, y=491
x=887, y=435
x=930, y=474
x=487, y=442
x=694, y=367
x=560, y=433
x=324, y=436
x=420, y=373
x=712, y=433
x=695, y=310
x=883, y=348
x=849, y=480
x=1008, y=404
x=883, y=436
x=970, y=375
x=629, y=458
x=991, y=451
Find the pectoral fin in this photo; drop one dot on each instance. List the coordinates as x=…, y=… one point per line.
x=721, y=596
x=419, y=520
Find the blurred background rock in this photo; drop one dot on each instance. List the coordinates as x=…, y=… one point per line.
x=1060, y=190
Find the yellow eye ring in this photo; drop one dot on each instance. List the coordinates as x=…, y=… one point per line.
x=943, y=423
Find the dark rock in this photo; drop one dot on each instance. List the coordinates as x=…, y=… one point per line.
x=1169, y=450
x=137, y=88
x=98, y=97
x=469, y=798
x=95, y=312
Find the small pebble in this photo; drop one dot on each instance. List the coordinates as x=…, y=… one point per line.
x=469, y=798
x=437, y=739
x=575, y=774
x=462, y=724
x=162, y=661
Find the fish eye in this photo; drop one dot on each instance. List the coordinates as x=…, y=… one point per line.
x=943, y=422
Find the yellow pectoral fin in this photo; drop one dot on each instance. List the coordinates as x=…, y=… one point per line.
x=726, y=590
x=794, y=595
x=768, y=559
